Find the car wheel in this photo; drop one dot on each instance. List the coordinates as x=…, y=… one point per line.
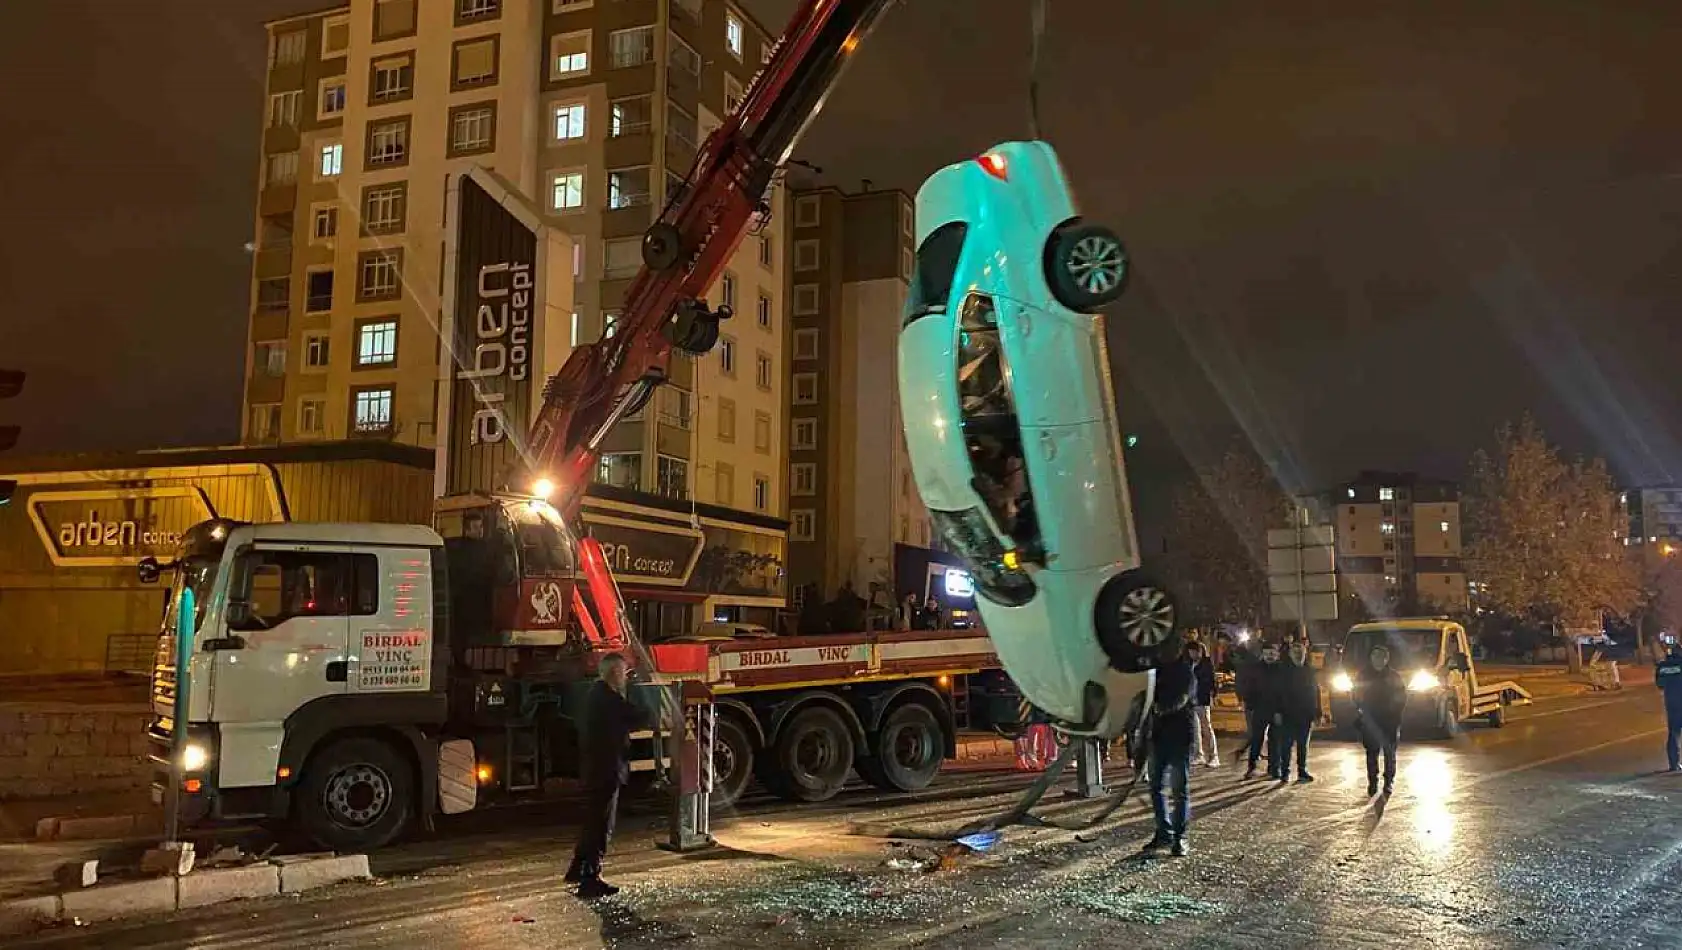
x=814, y=755
x=1136, y=618
x=907, y=752
x=1448, y=718
x=1086, y=266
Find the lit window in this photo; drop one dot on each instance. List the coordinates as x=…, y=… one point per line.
x=761, y=493
x=575, y=328
x=764, y=312
x=805, y=389
x=1387, y=528
x=376, y=343
x=733, y=34
x=806, y=343
x=762, y=371
x=803, y=478
x=566, y=191
x=569, y=121
x=332, y=160
x=373, y=409
x=332, y=98
x=620, y=469
x=727, y=356
x=610, y=324
x=671, y=477
x=633, y=47
x=628, y=187
x=283, y=109
x=802, y=524
x=1444, y=526
x=1351, y=492
x=569, y=55
x=388, y=142
x=1386, y=494
x=335, y=36
x=804, y=433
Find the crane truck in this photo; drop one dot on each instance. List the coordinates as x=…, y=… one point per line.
x=352, y=680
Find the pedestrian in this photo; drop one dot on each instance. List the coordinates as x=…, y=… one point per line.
x=604, y=741
x=1169, y=738
x=1379, y=696
x=1203, y=736
x=932, y=614
x=1258, y=690
x=1667, y=676
x=1299, y=708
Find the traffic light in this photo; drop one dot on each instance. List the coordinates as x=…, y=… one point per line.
x=11, y=384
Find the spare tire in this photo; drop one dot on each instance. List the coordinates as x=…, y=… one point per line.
x=1135, y=620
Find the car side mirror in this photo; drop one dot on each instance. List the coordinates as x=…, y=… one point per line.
x=149, y=570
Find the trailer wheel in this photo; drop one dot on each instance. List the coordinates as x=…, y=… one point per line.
x=907, y=751
x=732, y=760
x=814, y=753
x=357, y=794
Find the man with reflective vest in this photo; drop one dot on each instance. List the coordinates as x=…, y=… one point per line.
x=1668, y=677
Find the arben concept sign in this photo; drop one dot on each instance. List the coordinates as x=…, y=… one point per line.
x=117, y=527
x=491, y=308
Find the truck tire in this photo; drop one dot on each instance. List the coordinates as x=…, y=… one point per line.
x=732, y=760
x=1448, y=718
x=906, y=752
x=357, y=794
x=1135, y=618
x=813, y=755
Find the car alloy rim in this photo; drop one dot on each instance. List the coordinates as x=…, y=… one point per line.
x=357, y=796
x=1096, y=264
x=1147, y=617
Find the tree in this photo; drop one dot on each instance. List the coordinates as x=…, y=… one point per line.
x=1217, y=545
x=1547, y=535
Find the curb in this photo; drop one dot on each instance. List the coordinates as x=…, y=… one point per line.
x=164, y=894
x=101, y=828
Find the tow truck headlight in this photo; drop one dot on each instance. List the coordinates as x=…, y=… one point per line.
x=1423, y=682
x=194, y=757
x=1341, y=683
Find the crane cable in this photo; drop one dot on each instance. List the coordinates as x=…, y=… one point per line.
x=1037, y=13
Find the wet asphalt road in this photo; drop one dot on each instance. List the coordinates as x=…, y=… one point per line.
x=1553, y=832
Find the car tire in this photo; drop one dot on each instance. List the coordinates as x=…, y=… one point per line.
x=1086, y=266
x=357, y=794
x=1448, y=718
x=907, y=751
x=733, y=756
x=813, y=756
x=1135, y=619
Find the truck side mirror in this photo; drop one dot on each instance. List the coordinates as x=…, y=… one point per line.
x=149, y=570
x=239, y=615
x=1458, y=663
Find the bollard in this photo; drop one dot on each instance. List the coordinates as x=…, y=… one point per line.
x=185, y=614
x=1089, y=769
x=690, y=827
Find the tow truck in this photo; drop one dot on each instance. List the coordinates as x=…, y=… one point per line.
x=1432, y=655
x=352, y=679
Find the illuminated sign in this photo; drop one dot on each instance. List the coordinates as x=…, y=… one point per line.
x=115, y=528
x=959, y=583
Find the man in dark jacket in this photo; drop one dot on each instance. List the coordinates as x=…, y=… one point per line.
x=1170, y=740
x=1258, y=689
x=1299, y=708
x=1203, y=733
x=1379, y=697
x=1667, y=676
x=604, y=741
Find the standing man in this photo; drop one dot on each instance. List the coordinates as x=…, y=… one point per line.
x=1258, y=689
x=604, y=740
x=1668, y=677
x=1203, y=734
x=1379, y=696
x=1299, y=708
x=1171, y=734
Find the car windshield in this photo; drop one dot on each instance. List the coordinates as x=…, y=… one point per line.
x=1408, y=648
x=966, y=534
x=937, y=266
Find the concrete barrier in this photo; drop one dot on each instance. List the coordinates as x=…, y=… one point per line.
x=228, y=884
x=128, y=899
x=311, y=873
x=24, y=914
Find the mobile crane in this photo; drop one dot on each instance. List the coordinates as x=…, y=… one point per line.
x=350, y=679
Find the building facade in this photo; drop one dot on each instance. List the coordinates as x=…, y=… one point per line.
x=1399, y=542
x=591, y=111
x=852, y=497
x=1655, y=515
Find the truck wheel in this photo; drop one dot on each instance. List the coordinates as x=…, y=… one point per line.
x=1135, y=617
x=357, y=794
x=1086, y=266
x=732, y=760
x=814, y=753
x=908, y=750
x=1498, y=715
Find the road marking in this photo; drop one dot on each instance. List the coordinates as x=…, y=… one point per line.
x=1560, y=712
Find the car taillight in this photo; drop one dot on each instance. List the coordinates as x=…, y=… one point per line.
x=994, y=164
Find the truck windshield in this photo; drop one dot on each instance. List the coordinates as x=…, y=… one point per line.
x=1408, y=648
x=966, y=534
x=545, y=544
x=199, y=575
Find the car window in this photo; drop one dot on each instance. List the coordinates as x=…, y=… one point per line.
x=937, y=266
x=966, y=534
x=992, y=431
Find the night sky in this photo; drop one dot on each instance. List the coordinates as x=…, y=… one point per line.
x=1360, y=241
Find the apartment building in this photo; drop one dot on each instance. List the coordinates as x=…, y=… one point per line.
x=852, y=498
x=592, y=110
x=1399, y=541
x=1655, y=515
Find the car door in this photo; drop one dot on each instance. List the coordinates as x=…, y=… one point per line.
x=285, y=645
x=391, y=622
